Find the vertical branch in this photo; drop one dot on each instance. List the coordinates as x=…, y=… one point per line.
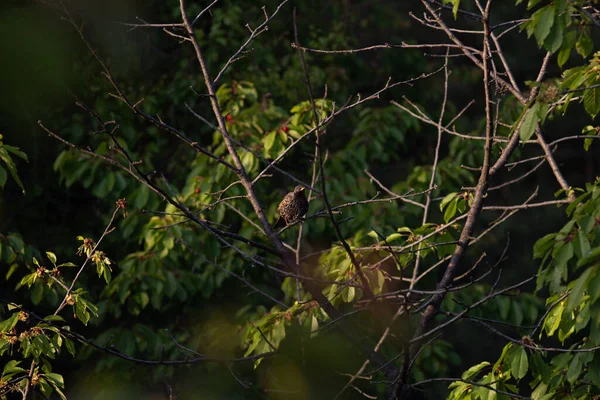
x=28, y=384
x=514, y=89
x=365, y=284
x=434, y=167
x=434, y=304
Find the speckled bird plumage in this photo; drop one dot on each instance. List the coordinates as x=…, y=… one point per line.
x=293, y=206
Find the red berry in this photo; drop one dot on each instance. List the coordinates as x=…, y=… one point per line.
x=285, y=128
x=229, y=118
x=197, y=190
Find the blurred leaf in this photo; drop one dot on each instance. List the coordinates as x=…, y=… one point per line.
x=3, y=177
x=584, y=44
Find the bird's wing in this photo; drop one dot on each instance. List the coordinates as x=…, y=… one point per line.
x=281, y=205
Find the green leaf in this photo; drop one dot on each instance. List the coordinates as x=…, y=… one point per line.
x=564, y=254
x=28, y=280
x=57, y=379
x=468, y=374
x=571, y=207
x=81, y=311
x=539, y=367
x=517, y=313
x=450, y=210
x=540, y=392
x=16, y=151
x=594, y=288
x=586, y=223
x=348, y=294
x=584, y=45
x=45, y=388
x=11, y=269
x=544, y=22
x=394, y=236
x=70, y=346
x=560, y=5
x=269, y=140
x=67, y=264
x=143, y=299
x=3, y=177
x=581, y=244
x=519, y=364
x=9, y=323
x=587, y=143
x=566, y=48
x=553, y=319
x=447, y=199
x=455, y=4
x=249, y=161
x=576, y=295
x=593, y=374
x=503, y=306
x=574, y=368
x=314, y=324
x=142, y=197
x=593, y=256
x=16, y=243
x=60, y=393
x=278, y=333
x=51, y=256
x=12, y=168
x=12, y=367
x=106, y=272
x=529, y=122
x=170, y=285
x=591, y=100
x=53, y=318
x=543, y=245
x=543, y=112
x=374, y=235
x=37, y=293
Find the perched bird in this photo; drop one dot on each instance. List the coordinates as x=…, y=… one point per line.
x=293, y=206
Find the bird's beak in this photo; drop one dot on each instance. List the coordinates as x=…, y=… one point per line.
x=302, y=188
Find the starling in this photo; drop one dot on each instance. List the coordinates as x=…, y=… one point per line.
x=293, y=206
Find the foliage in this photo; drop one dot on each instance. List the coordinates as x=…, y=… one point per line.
x=5, y=152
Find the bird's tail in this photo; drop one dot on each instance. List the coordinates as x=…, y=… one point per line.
x=279, y=224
